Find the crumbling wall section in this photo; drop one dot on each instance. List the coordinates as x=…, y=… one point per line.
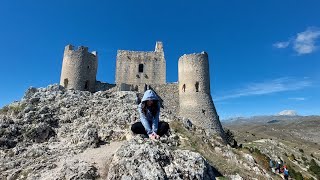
x=102, y=86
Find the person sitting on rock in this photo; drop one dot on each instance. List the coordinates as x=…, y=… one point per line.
x=149, y=110
x=271, y=165
x=285, y=172
x=278, y=166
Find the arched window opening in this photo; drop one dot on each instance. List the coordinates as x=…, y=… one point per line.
x=65, y=83
x=184, y=87
x=140, y=68
x=197, y=86
x=86, y=85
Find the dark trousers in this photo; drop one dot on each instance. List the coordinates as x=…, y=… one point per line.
x=138, y=128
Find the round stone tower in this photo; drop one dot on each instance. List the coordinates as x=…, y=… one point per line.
x=194, y=92
x=79, y=69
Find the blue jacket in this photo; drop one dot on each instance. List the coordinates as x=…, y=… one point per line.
x=149, y=122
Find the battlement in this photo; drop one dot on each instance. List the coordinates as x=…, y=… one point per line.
x=122, y=52
x=159, y=47
x=194, y=56
x=79, y=68
x=81, y=49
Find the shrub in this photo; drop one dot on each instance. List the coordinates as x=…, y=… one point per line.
x=309, y=178
x=261, y=158
x=12, y=108
x=301, y=150
x=304, y=158
x=294, y=174
x=292, y=157
x=230, y=138
x=314, y=168
x=4, y=110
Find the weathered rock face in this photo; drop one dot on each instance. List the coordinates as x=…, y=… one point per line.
x=51, y=133
x=78, y=170
x=76, y=116
x=50, y=124
x=146, y=159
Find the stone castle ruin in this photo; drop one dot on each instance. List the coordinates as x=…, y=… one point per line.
x=141, y=67
x=190, y=97
x=79, y=69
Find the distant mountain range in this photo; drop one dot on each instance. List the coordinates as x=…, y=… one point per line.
x=267, y=119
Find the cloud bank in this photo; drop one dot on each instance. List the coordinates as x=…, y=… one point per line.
x=268, y=87
x=303, y=43
x=297, y=98
x=281, y=45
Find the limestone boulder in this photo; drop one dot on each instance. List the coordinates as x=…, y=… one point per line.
x=146, y=159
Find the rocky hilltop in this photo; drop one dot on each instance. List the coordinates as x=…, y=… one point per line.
x=53, y=133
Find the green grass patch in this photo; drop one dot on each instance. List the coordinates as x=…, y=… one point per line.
x=314, y=168
x=196, y=141
x=294, y=174
x=12, y=108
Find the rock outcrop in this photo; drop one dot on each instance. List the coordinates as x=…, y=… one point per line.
x=146, y=159
x=50, y=133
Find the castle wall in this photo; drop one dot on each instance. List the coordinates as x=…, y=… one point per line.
x=79, y=69
x=141, y=67
x=194, y=92
x=102, y=86
x=169, y=93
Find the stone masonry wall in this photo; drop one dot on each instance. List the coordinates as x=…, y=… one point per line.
x=102, y=86
x=140, y=67
x=194, y=92
x=169, y=93
x=79, y=69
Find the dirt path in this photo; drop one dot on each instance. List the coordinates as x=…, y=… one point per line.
x=99, y=156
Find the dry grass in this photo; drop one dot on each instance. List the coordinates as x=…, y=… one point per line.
x=191, y=140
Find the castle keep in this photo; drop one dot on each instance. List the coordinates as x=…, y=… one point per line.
x=140, y=67
x=190, y=97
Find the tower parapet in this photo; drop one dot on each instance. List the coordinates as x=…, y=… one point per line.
x=194, y=92
x=159, y=47
x=79, y=69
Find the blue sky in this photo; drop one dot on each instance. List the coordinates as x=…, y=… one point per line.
x=264, y=55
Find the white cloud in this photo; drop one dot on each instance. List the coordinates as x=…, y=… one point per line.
x=297, y=98
x=268, y=87
x=281, y=45
x=305, y=42
x=288, y=113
